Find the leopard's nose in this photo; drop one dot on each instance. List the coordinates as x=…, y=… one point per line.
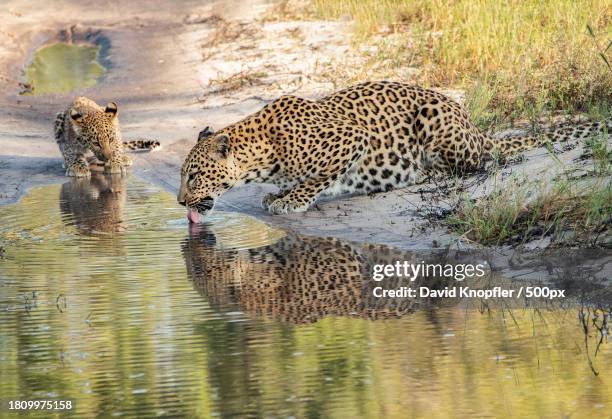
x=181, y=197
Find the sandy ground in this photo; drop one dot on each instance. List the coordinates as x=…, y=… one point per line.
x=177, y=68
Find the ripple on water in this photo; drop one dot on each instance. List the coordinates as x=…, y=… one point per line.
x=110, y=298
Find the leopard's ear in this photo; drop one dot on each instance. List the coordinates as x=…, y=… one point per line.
x=205, y=133
x=111, y=108
x=75, y=115
x=222, y=145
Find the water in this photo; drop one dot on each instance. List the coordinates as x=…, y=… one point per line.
x=109, y=298
x=61, y=68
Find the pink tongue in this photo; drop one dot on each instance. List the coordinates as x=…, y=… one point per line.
x=193, y=216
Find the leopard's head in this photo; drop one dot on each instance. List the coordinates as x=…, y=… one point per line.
x=208, y=171
x=99, y=127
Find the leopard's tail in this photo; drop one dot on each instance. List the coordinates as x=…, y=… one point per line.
x=142, y=145
x=560, y=133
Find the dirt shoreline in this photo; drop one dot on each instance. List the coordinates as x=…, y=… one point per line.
x=172, y=76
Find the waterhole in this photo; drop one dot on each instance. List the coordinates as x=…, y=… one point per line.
x=109, y=298
x=63, y=67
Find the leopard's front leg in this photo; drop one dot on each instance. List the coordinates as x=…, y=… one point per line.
x=349, y=143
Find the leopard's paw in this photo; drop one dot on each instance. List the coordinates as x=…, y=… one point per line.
x=78, y=170
x=114, y=168
x=275, y=205
x=268, y=199
x=126, y=161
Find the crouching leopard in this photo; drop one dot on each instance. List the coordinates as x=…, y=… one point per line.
x=88, y=135
x=371, y=137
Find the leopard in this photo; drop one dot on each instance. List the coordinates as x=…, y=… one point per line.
x=89, y=138
x=368, y=138
x=94, y=205
x=301, y=279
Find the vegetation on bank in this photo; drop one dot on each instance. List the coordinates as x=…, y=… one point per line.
x=567, y=213
x=516, y=59
x=571, y=210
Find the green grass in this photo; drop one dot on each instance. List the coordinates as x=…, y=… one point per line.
x=515, y=58
x=601, y=152
x=519, y=213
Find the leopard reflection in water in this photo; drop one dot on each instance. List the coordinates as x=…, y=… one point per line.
x=94, y=205
x=301, y=279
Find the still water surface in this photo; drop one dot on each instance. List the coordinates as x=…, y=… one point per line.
x=108, y=298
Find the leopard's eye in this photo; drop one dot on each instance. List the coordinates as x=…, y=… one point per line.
x=191, y=178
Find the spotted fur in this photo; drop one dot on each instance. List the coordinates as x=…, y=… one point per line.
x=371, y=137
x=85, y=128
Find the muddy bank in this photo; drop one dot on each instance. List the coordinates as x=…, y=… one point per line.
x=174, y=70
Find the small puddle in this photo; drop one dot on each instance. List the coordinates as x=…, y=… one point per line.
x=62, y=67
x=108, y=297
